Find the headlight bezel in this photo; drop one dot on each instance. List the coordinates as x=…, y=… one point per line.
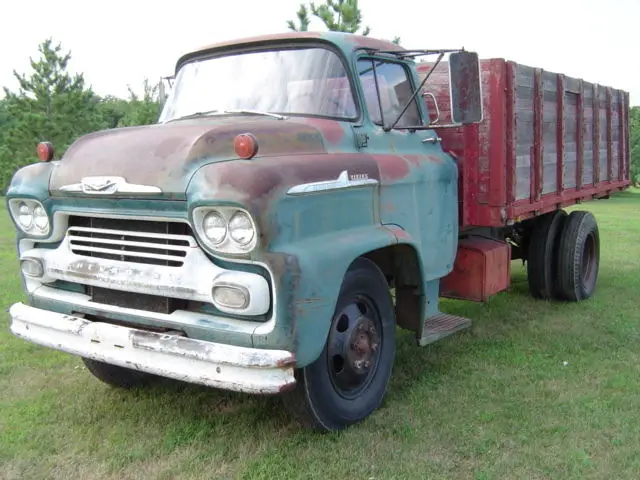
x=227, y=246
x=32, y=229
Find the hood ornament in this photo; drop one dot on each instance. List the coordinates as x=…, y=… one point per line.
x=109, y=186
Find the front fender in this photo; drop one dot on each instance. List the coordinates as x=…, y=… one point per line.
x=31, y=181
x=308, y=275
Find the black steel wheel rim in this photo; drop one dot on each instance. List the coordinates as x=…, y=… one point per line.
x=354, y=347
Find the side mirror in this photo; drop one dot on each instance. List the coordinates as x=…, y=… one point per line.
x=466, y=88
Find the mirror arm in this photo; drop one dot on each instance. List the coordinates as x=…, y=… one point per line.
x=415, y=94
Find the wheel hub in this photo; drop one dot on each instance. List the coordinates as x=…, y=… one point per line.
x=362, y=345
x=353, y=348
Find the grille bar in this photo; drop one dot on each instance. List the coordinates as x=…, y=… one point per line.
x=128, y=233
x=124, y=253
x=133, y=246
x=80, y=241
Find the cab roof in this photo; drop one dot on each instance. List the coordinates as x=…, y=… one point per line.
x=347, y=42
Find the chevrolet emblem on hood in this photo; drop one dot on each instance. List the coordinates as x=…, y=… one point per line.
x=109, y=186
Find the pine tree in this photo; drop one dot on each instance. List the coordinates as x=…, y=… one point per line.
x=303, y=20
x=337, y=16
x=137, y=110
x=50, y=104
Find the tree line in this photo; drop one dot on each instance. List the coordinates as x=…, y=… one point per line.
x=51, y=104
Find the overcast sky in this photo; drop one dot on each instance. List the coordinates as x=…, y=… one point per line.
x=117, y=42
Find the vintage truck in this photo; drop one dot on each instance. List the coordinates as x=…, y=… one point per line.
x=303, y=195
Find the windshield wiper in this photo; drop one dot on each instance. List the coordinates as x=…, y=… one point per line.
x=193, y=115
x=257, y=112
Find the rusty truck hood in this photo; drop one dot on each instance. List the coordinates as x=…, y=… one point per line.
x=158, y=161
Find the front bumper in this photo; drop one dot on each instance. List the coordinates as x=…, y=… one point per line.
x=217, y=365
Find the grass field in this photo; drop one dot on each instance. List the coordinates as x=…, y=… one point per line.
x=533, y=390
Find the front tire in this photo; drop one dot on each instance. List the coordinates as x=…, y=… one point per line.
x=118, y=376
x=349, y=379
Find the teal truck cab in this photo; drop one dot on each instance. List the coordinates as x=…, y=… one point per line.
x=294, y=204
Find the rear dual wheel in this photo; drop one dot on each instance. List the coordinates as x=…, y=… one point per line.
x=564, y=256
x=543, y=254
x=579, y=260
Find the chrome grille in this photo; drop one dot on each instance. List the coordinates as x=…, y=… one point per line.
x=130, y=241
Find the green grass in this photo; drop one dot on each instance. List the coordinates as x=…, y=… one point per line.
x=533, y=390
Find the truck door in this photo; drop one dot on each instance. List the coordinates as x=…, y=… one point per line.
x=418, y=190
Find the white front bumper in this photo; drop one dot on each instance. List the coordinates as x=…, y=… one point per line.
x=217, y=365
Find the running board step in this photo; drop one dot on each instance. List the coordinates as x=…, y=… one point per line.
x=440, y=326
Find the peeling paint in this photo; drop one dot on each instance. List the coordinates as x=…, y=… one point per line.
x=240, y=369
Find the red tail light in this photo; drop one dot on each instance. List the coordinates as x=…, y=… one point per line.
x=245, y=145
x=45, y=151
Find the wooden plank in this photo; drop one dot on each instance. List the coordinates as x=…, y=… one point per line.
x=560, y=126
x=580, y=137
x=609, y=137
x=495, y=171
x=627, y=147
x=537, y=163
x=596, y=134
x=471, y=135
x=621, y=136
x=511, y=133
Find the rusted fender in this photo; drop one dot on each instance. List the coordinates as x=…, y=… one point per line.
x=308, y=276
x=307, y=241
x=261, y=186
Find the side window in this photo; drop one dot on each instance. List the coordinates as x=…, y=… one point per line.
x=395, y=89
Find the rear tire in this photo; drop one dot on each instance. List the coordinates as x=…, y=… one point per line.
x=118, y=376
x=542, y=261
x=349, y=379
x=579, y=260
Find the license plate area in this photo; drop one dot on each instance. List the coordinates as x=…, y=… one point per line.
x=137, y=301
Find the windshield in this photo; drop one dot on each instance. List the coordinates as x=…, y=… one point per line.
x=302, y=81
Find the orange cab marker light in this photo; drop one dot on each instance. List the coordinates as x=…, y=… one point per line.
x=245, y=145
x=45, y=151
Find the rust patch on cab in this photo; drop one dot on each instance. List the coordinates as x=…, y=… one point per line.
x=392, y=167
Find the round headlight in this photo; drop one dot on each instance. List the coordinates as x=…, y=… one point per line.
x=214, y=227
x=241, y=228
x=25, y=215
x=40, y=218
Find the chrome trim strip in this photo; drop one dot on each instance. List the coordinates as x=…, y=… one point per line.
x=343, y=181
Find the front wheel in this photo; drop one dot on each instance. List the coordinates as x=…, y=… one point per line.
x=349, y=380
